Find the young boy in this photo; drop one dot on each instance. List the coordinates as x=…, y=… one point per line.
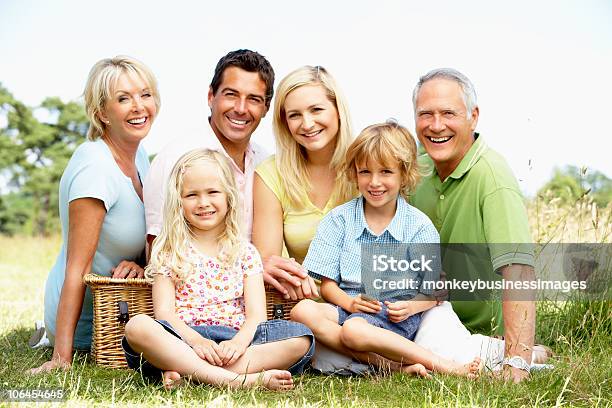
x=382, y=162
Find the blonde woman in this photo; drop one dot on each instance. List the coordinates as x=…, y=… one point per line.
x=208, y=292
x=295, y=188
x=100, y=201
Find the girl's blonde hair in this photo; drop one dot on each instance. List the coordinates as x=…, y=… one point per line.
x=388, y=144
x=171, y=246
x=290, y=156
x=101, y=82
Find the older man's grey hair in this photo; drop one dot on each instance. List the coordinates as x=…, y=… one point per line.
x=469, y=93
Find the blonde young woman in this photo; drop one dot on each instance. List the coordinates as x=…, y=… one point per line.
x=295, y=188
x=100, y=201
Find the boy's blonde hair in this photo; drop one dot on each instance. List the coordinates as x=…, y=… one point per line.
x=388, y=144
x=290, y=156
x=171, y=246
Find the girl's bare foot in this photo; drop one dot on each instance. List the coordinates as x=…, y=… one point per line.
x=541, y=354
x=278, y=380
x=416, y=369
x=171, y=379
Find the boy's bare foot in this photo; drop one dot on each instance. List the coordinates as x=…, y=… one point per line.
x=474, y=368
x=541, y=354
x=469, y=370
x=277, y=380
x=416, y=369
x=171, y=379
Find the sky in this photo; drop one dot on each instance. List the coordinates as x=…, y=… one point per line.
x=541, y=68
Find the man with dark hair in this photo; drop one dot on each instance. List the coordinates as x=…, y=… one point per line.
x=239, y=97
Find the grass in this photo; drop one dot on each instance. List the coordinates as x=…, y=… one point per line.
x=579, y=332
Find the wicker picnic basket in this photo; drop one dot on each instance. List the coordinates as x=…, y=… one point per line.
x=277, y=307
x=116, y=300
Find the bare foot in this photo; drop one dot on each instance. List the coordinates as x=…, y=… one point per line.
x=171, y=379
x=278, y=380
x=474, y=368
x=470, y=370
x=416, y=369
x=541, y=354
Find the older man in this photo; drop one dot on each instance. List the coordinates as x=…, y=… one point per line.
x=472, y=197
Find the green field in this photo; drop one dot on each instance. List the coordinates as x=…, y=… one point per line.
x=579, y=332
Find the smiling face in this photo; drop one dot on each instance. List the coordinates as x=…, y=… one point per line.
x=131, y=110
x=203, y=199
x=443, y=125
x=238, y=106
x=312, y=119
x=379, y=184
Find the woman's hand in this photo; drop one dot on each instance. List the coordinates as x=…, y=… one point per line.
x=289, y=278
x=360, y=305
x=208, y=350
x=127, y=269
x=230, y=351
x=53, y=364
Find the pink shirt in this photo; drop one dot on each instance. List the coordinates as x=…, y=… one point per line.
x=213, y=294
x=155, y=184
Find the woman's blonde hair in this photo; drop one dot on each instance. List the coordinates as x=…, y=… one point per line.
x=290, y=156
x=171, y=246
x=101, y=82
x=388, y=144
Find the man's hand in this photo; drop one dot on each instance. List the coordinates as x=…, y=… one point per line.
x=516, y=375
x=289, y=278
x=442, y=294
x=360, y=305
x=400, y=310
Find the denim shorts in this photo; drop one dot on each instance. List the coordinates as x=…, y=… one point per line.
x=266, y=332
x=406, y=328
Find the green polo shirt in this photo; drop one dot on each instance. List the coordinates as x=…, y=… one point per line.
x=479, y=203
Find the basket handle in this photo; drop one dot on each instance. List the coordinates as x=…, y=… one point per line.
x=277, y=311
x=124, y=314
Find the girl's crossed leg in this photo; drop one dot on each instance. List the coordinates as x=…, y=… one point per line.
x=259, y=364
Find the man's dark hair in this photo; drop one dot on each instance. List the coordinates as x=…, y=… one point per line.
x=250, y=61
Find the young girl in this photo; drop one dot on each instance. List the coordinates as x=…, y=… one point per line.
x=382, y=162
x=208, y=292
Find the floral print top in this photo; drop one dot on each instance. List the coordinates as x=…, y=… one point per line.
x=213, y=294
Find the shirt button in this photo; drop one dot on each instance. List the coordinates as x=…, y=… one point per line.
x=441, y=196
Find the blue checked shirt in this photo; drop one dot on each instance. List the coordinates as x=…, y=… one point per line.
x=335, y=251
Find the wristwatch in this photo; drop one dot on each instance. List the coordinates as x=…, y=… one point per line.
x=517, y=362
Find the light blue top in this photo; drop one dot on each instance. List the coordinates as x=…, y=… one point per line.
x=335, y=251
x=92, y=172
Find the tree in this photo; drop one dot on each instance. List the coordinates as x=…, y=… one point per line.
x=33, y=155
x=571, y=183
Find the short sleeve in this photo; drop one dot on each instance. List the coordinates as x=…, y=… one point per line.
x=269, y=174
x=426, y=242
x=250, y=261
x=153, y=190
x=92, y=180
x=323, y=258
x=507, y=228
